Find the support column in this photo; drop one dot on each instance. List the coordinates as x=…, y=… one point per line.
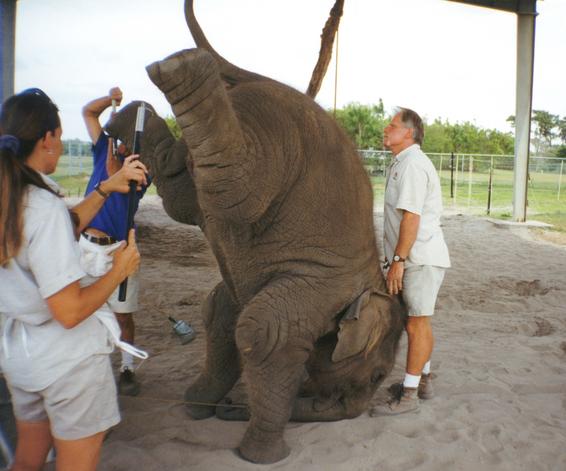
x=7, y=47
x=525, y=62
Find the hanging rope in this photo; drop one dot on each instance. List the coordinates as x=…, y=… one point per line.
x=327, y=41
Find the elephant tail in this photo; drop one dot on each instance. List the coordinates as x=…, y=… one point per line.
x=230, y=74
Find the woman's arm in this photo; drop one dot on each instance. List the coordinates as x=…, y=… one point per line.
x=132, y=169
x=73, y=304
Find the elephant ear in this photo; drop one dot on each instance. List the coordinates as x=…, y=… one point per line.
x=362, y=326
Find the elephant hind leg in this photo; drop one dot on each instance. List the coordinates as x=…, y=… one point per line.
x=222, y=367
x=275, y=335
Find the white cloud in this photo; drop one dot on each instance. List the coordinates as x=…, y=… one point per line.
x=441, y=58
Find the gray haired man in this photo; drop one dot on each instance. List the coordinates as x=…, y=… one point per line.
x=416, y=254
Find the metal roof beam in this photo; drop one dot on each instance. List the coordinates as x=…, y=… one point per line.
x=7, y=46
x=523, y=7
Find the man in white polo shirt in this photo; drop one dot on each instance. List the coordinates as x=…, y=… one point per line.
x=415, y=251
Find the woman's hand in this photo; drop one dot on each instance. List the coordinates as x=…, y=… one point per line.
x=132, y=169
x=127, y=257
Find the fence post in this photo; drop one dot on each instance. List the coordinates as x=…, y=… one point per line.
x=456, y=177
x=489, y=186
x=560, y=179
x=440, y=167
x=452, y=175
x=470, y=172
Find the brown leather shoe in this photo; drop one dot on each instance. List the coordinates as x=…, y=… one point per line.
x=426, y=390
x=408, y=401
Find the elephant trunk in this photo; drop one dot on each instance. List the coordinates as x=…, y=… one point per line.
x=166, y=159
x=222, y=165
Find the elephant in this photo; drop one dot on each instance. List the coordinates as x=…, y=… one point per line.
x=302, y=314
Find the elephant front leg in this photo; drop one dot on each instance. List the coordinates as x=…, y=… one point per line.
x=275, y=335
x=222, y=367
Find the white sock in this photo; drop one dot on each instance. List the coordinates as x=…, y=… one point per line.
x=127, y=361
x=411, y=381
x=426, y=368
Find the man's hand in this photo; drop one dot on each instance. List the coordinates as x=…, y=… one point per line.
x=395, y=277
x=115, y=94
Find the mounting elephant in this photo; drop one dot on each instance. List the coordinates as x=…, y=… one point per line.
x=285, y=203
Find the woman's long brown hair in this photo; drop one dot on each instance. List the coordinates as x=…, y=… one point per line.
x=28, y=116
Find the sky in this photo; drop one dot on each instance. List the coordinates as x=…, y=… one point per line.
x=443, y=59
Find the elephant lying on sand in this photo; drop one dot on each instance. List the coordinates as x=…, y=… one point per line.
x=281, y=195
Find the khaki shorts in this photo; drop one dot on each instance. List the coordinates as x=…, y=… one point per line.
x=81, y=403
x=421, y=284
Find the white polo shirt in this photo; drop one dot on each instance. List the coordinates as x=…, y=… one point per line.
x=36, y=350
x=413, y=185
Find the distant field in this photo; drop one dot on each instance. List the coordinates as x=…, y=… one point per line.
x=471, y=196
x=470, y=191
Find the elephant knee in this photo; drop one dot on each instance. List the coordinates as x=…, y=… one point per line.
x=257, y=337
x=218, y=308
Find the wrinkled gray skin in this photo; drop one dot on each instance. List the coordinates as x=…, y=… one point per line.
x=280, y=193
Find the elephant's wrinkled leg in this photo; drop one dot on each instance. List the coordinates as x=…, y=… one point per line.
x=222, y=368
x=275, y=335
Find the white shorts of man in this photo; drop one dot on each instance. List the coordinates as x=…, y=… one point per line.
x=421, y=284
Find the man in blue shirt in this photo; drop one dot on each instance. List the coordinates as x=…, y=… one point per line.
x=108, y=228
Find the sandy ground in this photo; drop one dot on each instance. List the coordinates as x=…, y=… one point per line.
x=500, y=361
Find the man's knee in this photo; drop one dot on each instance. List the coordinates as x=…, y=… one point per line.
x=418, y=324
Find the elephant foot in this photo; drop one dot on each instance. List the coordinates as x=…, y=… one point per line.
x=263, y=452
x=227, y=410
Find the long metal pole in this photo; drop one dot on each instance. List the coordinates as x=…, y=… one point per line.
x=336, y=71
x=525, y=62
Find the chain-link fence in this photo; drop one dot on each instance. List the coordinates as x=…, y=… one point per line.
x=483, y=184
x=471, y=183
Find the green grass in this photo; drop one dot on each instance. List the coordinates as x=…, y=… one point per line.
x=470, y=194
x=470, y=191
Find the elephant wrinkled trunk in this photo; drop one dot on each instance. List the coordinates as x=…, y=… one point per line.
x=223, y=165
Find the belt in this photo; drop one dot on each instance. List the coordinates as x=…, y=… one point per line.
x=106, y=240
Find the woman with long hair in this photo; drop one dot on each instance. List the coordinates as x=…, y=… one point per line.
x=55, y=338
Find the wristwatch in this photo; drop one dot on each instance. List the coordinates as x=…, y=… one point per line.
x=100, y=191
x=397, y=258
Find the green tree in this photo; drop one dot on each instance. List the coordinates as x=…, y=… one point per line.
x=436, y=137
x=363, y=123
x=561, y=124
x=545, y=123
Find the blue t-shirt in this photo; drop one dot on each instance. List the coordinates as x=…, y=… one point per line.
x=112, y=217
